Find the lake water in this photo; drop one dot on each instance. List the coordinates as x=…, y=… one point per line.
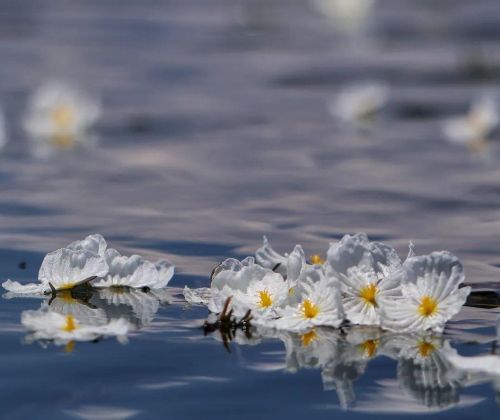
x=216, y=131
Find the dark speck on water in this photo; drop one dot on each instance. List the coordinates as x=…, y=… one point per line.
x=215, y=131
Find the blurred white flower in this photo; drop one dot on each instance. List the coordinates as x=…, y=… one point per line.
x=367, y=274
x=473, y=129
x=46, y=324
x=135, y=272
x=61, y=115
x=359, y=103
x=67, y=267
x=349, y=16
x=431, y=294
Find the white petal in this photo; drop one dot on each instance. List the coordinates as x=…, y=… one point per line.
x=94, y=243
x=197, y=296
x=30, y=288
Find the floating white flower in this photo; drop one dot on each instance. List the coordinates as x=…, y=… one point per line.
x=61, y=115
x=263, y=297
x=367, y=274
x=431, y=294
x=359, y=103
x=134, y=272
x=46, y=324
x=473, y=129
x=63, y=269
x=319, y=304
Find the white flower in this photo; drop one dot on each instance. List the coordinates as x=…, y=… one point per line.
x=367, y=272
x=358, y=103
x=319, y=304
x=473, y=129
x=350, y=16
x=430, y=294
x=263, y=296
x=63, y=329
x=63, y=269
x=134, y=272
x=61, y=115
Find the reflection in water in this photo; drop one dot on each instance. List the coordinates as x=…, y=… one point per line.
x=424, y=372
x=87, y=314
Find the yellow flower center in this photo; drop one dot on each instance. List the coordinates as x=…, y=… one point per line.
x=428, y=306
x=308, y=338
x=309, y=309
x=316, y=259
x=67, y=286
x=63, y=116
x=70, y=324
x=425, y=348
x=369, y=347
x=369, y=293
x=265, y=300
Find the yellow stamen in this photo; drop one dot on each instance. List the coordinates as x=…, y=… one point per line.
x=67, y=286
x=65, y=295
x=309, y=309
x=316, y=259
x=369, y=293
x=425, y=348
x=265, y=299
x=70, y=324
x=428, y=306
x=291, y=291
x=69, y=347
x=63, y=116
x=308, y=338
x=369, y=347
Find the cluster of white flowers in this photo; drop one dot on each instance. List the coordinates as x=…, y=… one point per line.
x=114, y=280
x=360, y=282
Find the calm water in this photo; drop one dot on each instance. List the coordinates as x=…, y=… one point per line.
x=215, y=131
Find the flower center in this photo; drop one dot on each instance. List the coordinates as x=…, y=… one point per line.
x=369, y=347
x=63, y=116
x=309, y=309
x=69, y=347
x=428, y=306
x=425, y=348
x=70, y=324
x=316, y=259
x=308, y=338
x=369, y=293
x=265, y=300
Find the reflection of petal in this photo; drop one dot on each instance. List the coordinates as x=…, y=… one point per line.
x=197, y=296
x=64, y=304
x=136, y=306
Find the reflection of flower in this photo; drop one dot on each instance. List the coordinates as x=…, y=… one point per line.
x=60, y=115
x=67, y=267
x=366, y=271
x=430, y=294
x=473, y=129
x=46, y=324
x=423, y=371
x=135, y=272
x=138, y=307
x=359, y=103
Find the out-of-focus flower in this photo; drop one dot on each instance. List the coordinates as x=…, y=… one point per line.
x=473, y=129
x=359, y=103
x=367, y=274
x=349, y=16
x=60, y=115
x=134, y=272
x=67, y=267
x=46, y=324
x=430, y=294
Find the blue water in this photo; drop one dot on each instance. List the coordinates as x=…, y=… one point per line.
x=215, y=131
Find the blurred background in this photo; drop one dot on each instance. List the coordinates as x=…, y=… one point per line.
x=216, y=122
